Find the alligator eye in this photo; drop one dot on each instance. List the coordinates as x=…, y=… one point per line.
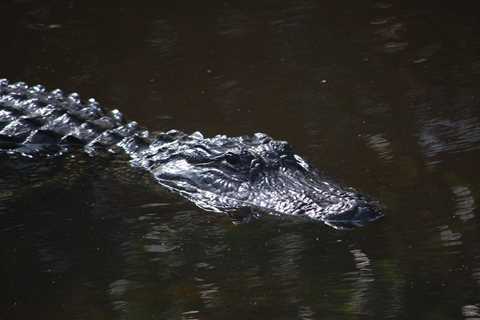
x=232, y=158
x=255, y=166
x=207, y=180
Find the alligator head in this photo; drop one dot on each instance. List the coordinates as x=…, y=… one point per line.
x=226, y=174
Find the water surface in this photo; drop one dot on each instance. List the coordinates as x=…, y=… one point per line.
x=380, y=96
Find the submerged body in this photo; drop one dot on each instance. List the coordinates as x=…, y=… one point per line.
x=220, y=174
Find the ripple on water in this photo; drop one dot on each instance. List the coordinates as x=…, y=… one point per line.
x=465, y=203
x=380, y=145
x=392, y=31
x=234, y=23
x=449, y=238
x=394, y=46
x=163, y=38
x=381, y=20
x=160, y=248
x=382, y=5
x=476, y=275
x=161, y=238
x=442, y=136
x=209, y=294
x=155, y=205
x=306, y=313
x=287, y=249
x=471, y=311
x=191, y=315
x=362, y=280
x=118, y=291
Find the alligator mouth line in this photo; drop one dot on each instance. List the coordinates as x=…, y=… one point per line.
x=358, y=216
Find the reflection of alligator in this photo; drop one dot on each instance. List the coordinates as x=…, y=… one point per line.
x=218, y=174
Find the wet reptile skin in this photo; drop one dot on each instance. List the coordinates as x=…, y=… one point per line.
x=221, y=174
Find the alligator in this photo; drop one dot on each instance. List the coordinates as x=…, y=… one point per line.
x=220, y=173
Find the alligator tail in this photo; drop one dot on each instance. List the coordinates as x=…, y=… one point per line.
x=34, y=120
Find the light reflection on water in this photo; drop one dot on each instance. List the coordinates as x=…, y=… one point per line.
x=362, y=279
x=465, y=203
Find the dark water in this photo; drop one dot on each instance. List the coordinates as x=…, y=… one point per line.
x=382, y=96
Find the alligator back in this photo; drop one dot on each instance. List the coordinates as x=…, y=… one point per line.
x=33, y=120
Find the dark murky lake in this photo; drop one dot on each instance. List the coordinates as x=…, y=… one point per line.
x=381, y=96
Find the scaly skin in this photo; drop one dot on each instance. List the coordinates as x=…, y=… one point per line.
x=221, y=174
